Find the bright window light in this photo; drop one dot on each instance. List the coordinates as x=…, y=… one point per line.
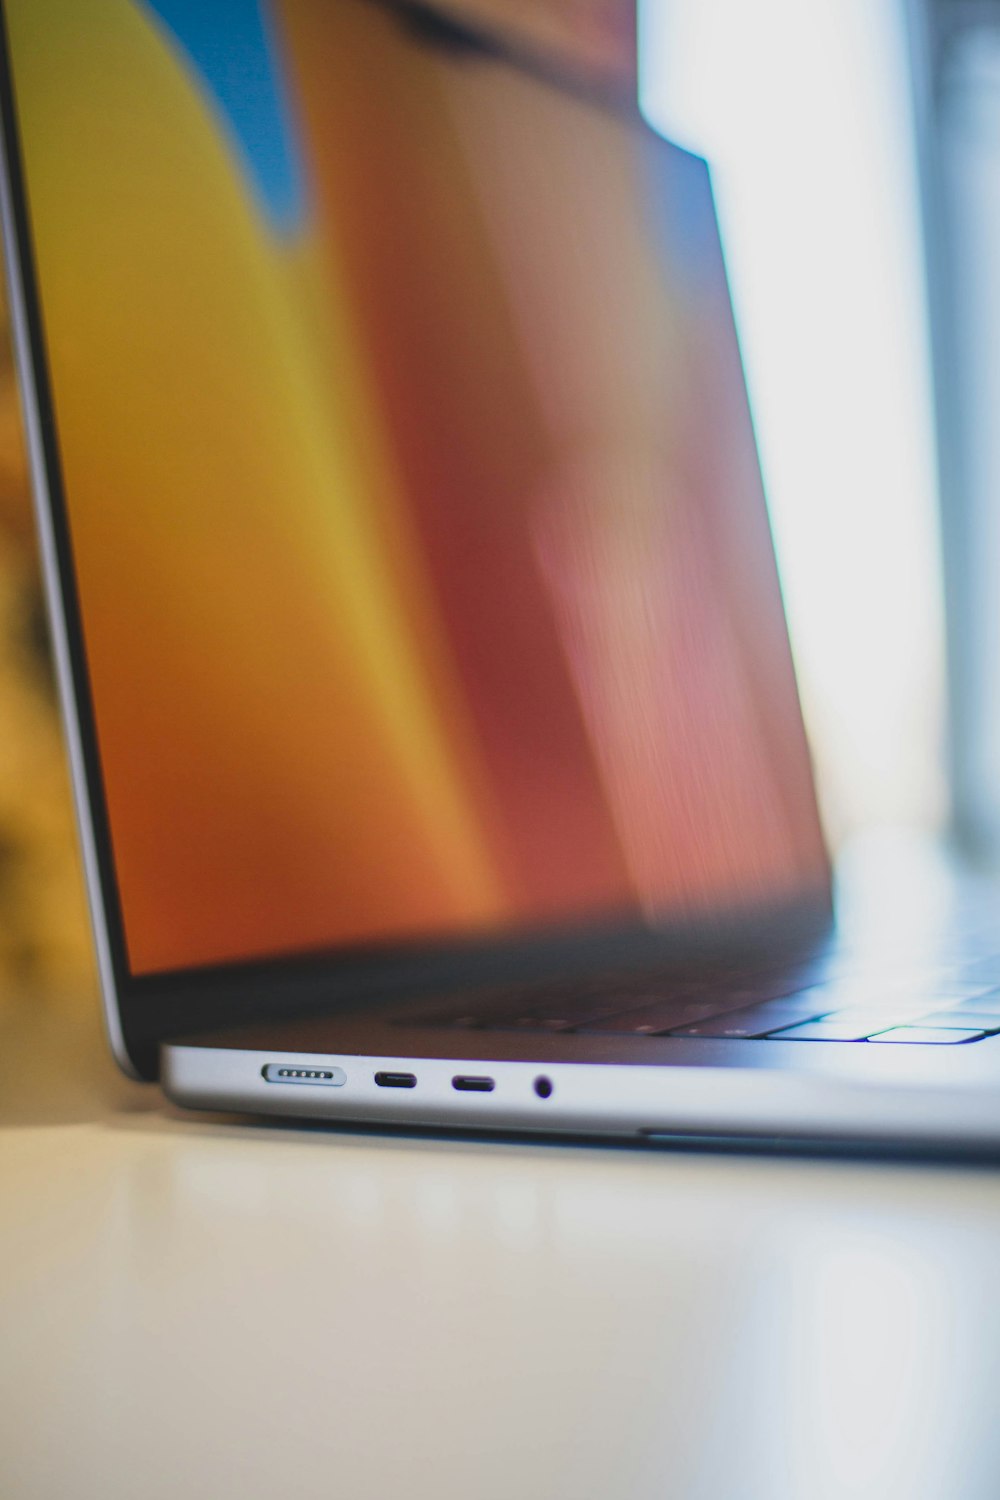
x=804, y=114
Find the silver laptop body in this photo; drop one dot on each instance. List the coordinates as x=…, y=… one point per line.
x=432, y=722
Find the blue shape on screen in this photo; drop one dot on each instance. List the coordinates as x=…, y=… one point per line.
x=679, y=192
x=232, y=46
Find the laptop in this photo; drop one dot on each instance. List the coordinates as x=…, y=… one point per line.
x=433, y=725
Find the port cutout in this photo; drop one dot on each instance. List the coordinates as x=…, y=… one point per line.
x=543, y=1087
x=396, y=1080
x=289, y=1073
x=467, y=1083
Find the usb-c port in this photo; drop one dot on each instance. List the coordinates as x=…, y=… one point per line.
x=467, y=1084
x=396, y=1080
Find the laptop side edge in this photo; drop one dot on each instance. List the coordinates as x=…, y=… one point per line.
x=14, y=247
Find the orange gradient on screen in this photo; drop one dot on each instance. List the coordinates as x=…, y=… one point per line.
x=424, y=566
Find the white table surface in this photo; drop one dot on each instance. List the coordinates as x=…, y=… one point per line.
x=209, y=1308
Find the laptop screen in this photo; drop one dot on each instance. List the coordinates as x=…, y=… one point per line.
x=424, y=569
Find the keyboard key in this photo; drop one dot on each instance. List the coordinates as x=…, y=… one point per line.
x=868, y=1018
x=912, y=994
x=755, y=1021
x=609, y=1012
x=936, y=1035
x=829, y=1029
x=960, y=1020
x=566, y=1006
x=664, y=1016
x=757, y=992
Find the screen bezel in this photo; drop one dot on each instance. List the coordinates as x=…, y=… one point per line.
x=144, y=1010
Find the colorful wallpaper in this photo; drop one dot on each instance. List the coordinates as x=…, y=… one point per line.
x=425, y=572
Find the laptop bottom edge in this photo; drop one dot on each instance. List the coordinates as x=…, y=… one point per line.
x=583, y=1099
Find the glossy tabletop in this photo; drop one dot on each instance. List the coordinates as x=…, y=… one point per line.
x=209, y=1308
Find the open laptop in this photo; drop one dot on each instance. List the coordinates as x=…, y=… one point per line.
x=432, y=719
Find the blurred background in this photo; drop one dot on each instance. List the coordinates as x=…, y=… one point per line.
x=806, y=113
x=855, y=147
x=43, y=931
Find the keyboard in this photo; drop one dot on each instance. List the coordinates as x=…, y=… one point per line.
x=947, y=1006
